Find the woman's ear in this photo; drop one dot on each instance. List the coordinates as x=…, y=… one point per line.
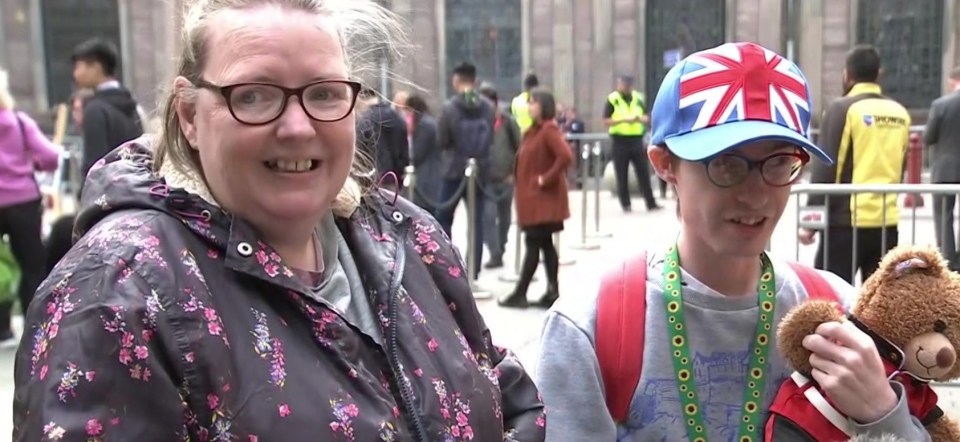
x=664, y=163
x=185, y=99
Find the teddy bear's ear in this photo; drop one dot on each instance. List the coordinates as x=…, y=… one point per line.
x=902, y=267
x=902, y=261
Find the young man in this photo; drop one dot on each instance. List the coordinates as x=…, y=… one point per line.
x=868, y=134
x=730, y=133
x=111, y=117
x=464, y=131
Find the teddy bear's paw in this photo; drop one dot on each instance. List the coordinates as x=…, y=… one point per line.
x=800, y=322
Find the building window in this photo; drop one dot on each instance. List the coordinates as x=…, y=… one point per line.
x=909, y=37
x=487, y=34
x=675, y=29
x=62, y=31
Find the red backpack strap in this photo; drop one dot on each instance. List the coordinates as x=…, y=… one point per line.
x=817, y=288
x=621, y=321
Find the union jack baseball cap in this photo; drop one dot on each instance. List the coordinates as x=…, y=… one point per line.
x=719, y=99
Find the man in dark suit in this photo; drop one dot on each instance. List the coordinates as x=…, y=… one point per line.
x=942, y=138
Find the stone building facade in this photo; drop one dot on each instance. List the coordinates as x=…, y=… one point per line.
x=577, y=47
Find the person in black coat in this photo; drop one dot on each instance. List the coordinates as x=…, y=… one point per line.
x=426, y=155
x=383, y=136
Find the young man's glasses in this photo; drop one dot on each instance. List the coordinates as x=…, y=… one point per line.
x=777, y=170
x=257, y=104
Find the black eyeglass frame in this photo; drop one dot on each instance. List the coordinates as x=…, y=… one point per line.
x=227, y=91
x=803, y=156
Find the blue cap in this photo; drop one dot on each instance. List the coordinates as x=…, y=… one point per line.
x=736, y=93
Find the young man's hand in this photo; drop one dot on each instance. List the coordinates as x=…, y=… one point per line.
x=849, y=369
x=806, y=236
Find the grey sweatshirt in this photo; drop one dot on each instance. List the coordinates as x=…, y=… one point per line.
x=720, y=330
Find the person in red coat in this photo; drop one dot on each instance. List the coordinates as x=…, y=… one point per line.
x=541, y=196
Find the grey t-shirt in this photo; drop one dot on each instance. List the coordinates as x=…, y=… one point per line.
x=340, y=285
x=720, y=331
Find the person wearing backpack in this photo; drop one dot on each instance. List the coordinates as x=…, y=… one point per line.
x=679, y=343
x=499, y=188
x=465, y=130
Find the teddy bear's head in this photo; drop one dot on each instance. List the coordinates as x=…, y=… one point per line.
x=912, y=301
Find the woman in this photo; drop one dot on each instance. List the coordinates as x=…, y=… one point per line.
x=238, y=277
x=426, y=155
x=24, y=150
x=541, y=195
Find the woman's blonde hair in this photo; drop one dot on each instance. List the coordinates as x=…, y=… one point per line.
x=6, y=98
x=369, y=34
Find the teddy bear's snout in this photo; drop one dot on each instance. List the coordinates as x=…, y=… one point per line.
x=946, y=357
x=930, y=355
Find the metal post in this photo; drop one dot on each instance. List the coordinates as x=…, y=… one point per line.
x=556, y=245
x=598, y=183
x=517, y=261
x=914, y=169
x=471, y=228
x=410, y=181
x=584, y=204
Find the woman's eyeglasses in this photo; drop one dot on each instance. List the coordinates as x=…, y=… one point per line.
x=257, y=104
x=777, y=170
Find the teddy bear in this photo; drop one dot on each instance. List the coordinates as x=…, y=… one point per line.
x=910, y=307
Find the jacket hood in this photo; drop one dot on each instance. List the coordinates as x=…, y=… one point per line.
x=469, y=102
x=119, y=98
x=125, y=180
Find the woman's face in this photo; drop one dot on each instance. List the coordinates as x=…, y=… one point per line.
x=248, y=167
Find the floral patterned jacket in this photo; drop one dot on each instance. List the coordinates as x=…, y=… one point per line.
x=169, y=320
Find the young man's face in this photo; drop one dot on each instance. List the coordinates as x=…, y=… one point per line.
x=736, y=220
x=87, y=74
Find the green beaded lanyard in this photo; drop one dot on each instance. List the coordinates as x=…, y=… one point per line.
x=683, y=363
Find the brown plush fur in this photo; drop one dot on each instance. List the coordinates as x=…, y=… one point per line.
x=910, y=292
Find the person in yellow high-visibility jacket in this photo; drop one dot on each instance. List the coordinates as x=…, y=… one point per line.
x=518, y=107
x=625, y=116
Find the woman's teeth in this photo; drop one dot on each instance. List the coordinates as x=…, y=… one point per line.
x=749, y=221
x=292, y=166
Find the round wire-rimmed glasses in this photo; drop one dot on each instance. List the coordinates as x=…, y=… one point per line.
x=778, y=170
x=256, y=104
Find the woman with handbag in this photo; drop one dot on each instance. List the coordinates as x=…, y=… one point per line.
x=24, y=150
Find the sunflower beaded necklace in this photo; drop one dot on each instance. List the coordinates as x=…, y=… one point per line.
x=683, y=364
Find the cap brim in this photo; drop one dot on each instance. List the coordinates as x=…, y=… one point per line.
x=705, y=143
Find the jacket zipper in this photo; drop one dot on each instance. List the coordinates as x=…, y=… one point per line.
x=406, y=391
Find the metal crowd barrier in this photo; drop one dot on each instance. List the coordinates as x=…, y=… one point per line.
x=473, y=189
x=817, y=218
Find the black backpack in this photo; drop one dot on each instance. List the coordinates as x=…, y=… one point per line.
x=473, y=135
